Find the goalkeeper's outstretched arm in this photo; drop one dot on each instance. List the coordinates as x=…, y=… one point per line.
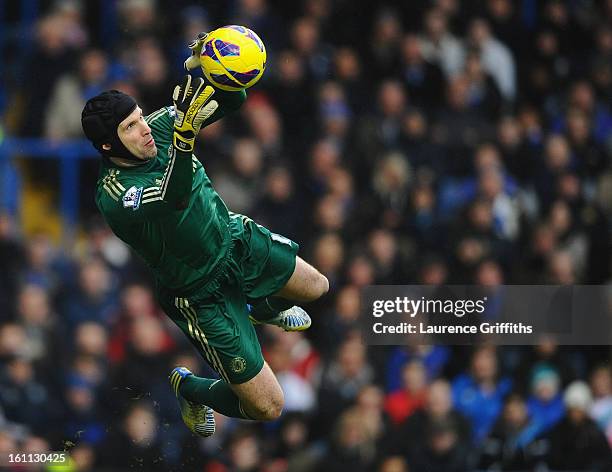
x=228, y=101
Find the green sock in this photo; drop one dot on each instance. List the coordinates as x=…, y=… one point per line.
x=214, y=393
x=269, y=307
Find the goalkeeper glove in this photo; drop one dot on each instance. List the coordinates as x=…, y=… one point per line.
x=192, y=105
x=193, y=61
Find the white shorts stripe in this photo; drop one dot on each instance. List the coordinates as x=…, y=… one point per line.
x=212, y=349
x=196, y=333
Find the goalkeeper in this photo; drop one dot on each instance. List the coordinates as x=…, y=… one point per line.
x=217, y=272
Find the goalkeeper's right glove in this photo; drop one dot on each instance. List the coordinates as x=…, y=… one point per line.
x=193, y=61
x=193, y=106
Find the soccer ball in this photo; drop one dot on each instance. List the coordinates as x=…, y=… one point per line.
x=233, y=58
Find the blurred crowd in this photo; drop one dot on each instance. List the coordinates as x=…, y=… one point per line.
x=421, y=142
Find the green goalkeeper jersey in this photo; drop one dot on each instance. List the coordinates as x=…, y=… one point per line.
x=167, y=209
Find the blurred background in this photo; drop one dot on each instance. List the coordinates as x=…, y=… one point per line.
x=421, y=142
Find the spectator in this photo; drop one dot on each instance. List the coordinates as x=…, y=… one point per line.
x=391, y=184
x=293, y=94
x=422, y=79
x=257, y=15
x=134, y=443
x=416, y=141
x=53, y=55
x=479, y=394
x=146, y=362
x=279, y=207
x=293, y=446
x=483, y=92
x=265, y=125
x=601, y=410
x=443, y=451
x=12, y=254
x=151, y=75
x=298, y=393
x=383, y=53
x=576, y=442
x=545, y=405
x=438, y=408
x=244, y=451
x=344, y=317
x=591, y=156
x=95, y=298
x=380, y=133
x=400, y=404
x=40, y=324
x=517, y=157
x=83, y=419
x=239, y=186
x=433, y=357
x=63, y=118
x=504, y=18
x=422, y=221
x=137, y=300
x=103, y=243
x=439, y=44
x=349, y=73
x=393, y=464
x=334, y=113
x=137, y=19
x=360, y=271
x=84, y=456
x=23, y=398
x=306, y=41
x=511, y=445
x=383, y=247
x=42, y=264
x=496, y=58
x=352, y=446
x=13, y=340
x=548, y=352
x=328, y=255
x=504, y=208
x=459, y=127
x=342, y=379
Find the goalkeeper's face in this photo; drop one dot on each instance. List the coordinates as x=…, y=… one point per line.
x=135, y=134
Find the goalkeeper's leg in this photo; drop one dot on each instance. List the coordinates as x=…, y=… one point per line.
x=305, y=284
x=260, y=398
x=220, y=329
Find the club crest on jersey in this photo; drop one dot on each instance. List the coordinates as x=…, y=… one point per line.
x=238, y=365
x=132, y=198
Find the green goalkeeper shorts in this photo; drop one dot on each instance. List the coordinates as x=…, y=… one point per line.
x=218, y=323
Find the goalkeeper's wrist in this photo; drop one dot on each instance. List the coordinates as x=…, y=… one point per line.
x=183, y=142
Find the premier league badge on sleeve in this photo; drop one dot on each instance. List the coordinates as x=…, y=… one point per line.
x=132, y=197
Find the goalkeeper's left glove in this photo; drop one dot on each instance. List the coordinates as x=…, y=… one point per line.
x=193, y=106
x=193, y=61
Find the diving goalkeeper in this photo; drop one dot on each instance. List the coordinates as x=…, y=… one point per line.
x=217, y=272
